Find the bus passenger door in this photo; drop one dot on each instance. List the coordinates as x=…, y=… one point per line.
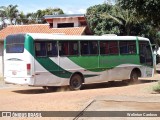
x=146, y=57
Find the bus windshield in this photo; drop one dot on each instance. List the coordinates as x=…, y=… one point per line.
x=15, y=44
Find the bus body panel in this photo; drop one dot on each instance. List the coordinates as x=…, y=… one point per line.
x=27, y=68
x=15, y=68
x=44, y=78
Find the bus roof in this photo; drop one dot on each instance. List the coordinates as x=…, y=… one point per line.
x=42, y=36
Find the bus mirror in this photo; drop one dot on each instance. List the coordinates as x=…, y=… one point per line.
x=157, y=58
x=155, y=47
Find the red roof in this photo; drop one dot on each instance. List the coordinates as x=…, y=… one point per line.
x=40, y=28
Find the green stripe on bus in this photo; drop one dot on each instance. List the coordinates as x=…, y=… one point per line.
x=47, y=63
x=103, y=63
x=55, y=69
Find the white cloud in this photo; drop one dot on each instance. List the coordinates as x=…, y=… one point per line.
x=69, y=12
x=83, y=11
x=74, y=11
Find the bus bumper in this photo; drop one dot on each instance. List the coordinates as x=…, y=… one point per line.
x=19, y=81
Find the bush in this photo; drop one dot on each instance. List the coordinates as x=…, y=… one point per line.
x=157, y=88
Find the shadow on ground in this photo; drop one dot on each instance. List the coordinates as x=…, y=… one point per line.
x=115, y=84
x=158, y=71
x=39, y=90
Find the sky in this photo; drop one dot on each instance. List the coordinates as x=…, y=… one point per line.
x=68, y=6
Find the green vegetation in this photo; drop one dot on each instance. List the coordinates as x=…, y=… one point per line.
x=8, y=13
x=115, y=19
x=112, y=19
x=13, y=16
x=148, y=10
x=156, y=88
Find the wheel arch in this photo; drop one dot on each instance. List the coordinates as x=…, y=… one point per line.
x=138, y=71
x=79, y=73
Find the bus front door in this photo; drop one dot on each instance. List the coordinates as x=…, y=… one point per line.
x=146, y=58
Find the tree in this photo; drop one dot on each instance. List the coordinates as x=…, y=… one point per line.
x=22, y=19
x=147, y=10
x=37, y=17
x=9, y=13
x=100, y=21
x=126, y=20
x=112, y=19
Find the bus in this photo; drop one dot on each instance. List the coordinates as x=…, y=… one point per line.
x=49, y=60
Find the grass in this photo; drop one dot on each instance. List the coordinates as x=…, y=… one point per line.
x=156, y=88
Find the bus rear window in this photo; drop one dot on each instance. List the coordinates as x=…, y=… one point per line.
x=15, y=43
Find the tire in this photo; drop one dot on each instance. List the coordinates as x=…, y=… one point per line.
x=76, y=82
x=134, y=77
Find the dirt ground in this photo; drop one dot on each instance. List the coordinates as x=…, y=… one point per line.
x=115, y=96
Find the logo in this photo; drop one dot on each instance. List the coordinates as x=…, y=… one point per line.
x=6, y=114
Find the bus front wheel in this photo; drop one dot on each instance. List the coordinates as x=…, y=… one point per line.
x=134, y=77
x=76, y=82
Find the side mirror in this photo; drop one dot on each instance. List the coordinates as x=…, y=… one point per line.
x=157, y=58
x=155, y=47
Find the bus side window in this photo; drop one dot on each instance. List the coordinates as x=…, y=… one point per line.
x=127, y=47
x=132, y=47
x=52, y=49
x=104, y=48
x=73, y=47
x=84, y=48
x=40, y=49
x=123, y=47
x=93, y=46
x=113, y=47
x=89, y=47
x=145, y=53
x=63, y=48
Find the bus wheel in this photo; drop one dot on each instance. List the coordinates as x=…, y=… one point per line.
x=76, y=82
x=134, y=77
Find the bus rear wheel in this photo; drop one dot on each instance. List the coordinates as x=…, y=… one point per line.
x=134, y=77
x=76, y=82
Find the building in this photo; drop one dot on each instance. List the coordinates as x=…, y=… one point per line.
x=74, y=24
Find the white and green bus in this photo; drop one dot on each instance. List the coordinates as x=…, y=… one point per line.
x=61, y=60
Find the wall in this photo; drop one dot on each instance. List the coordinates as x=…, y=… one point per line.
x=65, y=20
x=1, y=64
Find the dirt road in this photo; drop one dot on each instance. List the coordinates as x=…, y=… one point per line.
x=107, y=97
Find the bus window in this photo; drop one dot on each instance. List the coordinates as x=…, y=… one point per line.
x=89, y=47
x=113, y=47
x=104, y=48
x=93, y=46
x=52, y=49
x=15, y=44
x=63, y=48
x=84, y=48
x=123, y=47
x=68, y=48
x=127, y=47
x=145, y=53
x=73, y=47
x=40, y=48
x=132, y=47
